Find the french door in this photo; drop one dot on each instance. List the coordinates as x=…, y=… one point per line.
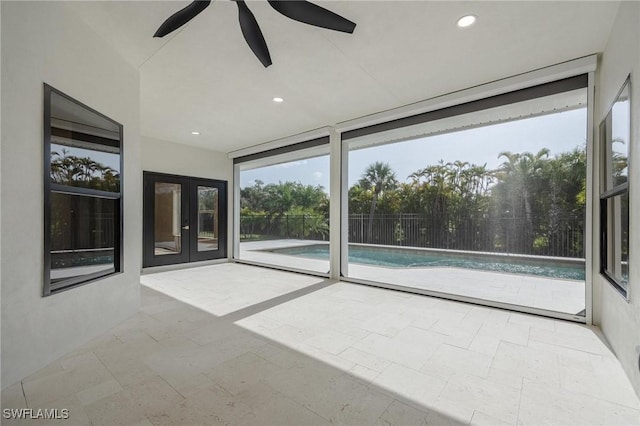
x=185, y=219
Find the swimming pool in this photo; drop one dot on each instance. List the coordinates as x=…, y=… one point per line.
x=415, y=258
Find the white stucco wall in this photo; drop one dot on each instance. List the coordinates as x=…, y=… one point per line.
x=619, y=319
x=172, y=158
x=46, y=42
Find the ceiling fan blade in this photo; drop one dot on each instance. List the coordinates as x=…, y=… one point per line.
x=252, y=34
x=181, y=17
x=312, y=14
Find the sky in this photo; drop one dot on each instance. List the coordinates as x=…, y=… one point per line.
x=311, y=171
x=620, y=125
x=559, y=132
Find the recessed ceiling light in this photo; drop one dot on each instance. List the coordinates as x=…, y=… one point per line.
x=195, y=133
x=466, y=21
x=278, y=100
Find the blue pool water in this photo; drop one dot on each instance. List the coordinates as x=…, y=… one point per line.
x=408, y=259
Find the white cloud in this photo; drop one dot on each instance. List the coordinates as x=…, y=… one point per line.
x=317, y=175
x=292, y=164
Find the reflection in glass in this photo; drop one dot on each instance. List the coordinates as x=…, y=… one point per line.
x=71, y=116
x=167, y=218
x=85, y=168
x=83, y=192
x=617, y=265
x=207, y=218
x=620, y=138
x=82, y=235
x=615, y=137
x=85, y=147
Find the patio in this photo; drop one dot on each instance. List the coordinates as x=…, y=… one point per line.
x=561, y=295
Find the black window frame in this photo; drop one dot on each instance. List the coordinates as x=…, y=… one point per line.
x=50, y=288
x=607, y=194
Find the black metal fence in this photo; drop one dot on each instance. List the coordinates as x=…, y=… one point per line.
x=498, y=235
x=563, y=238
x=304, y=227
x=206, y=223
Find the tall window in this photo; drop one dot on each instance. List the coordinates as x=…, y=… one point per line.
x=615, y=136
x=484, y=200
x=82, y=199
x=284, y=208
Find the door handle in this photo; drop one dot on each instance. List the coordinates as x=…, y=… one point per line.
x=185, y=227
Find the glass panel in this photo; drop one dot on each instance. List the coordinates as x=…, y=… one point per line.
x=207, y=218
x=167, y=218
x=84, y=230
x=85, y=147
x=618, y=239
x=284, y=216
x=82, y=235
x=72, y=116
x=620, y=138
x=488, y=205
x=85, y=168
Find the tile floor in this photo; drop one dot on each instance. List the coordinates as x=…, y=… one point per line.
x=234, y=344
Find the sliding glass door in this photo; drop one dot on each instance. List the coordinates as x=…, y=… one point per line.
x=283, y=218
x=486, y=202
x=184, y=219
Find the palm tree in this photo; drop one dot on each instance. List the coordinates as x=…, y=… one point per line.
x=618, y=165
x=87, y=168
x=56, y=166
x=109, y=180
x=520, y=171
x=436, y=182
x=377, y=177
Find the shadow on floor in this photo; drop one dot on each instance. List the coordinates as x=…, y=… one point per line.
x=173, y=364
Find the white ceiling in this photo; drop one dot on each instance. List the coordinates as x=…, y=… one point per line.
x=204, y=77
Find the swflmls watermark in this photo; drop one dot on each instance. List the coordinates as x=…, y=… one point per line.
x=35, y=413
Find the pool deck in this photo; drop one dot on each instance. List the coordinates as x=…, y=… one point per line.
x=560, y=295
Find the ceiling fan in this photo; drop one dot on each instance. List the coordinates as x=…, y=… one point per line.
x=298, y=10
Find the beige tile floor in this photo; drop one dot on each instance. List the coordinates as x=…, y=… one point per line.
x=234, y=344
x=559, y=295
